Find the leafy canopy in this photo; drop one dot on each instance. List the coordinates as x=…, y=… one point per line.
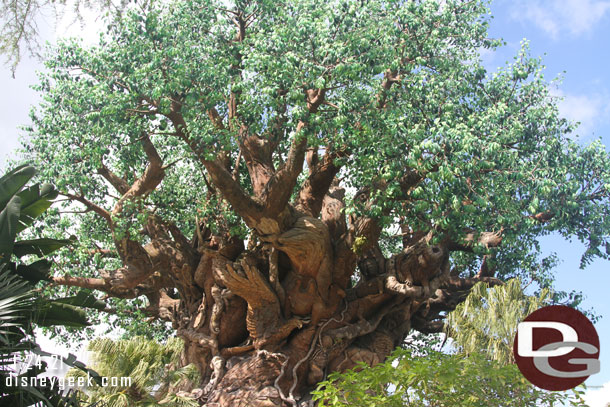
x=405, y=92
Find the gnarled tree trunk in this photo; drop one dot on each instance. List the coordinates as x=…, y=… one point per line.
x=272, y=321
x=311, y=127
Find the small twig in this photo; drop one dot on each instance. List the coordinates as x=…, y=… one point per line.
x=277, y=380
x=236, y=169
x=311, y=349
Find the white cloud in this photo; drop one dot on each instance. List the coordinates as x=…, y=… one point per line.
x=558, y=16
x=598, y=397
x=589, y=110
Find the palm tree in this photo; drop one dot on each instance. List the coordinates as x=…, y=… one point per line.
x=487, y=321
x=152, y=368
x=20, y=306
x=16, y=300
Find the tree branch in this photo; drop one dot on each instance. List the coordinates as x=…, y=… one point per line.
x=83, y=282
x=242, y=203
x=220, y=176
x=258, y=156
x=113, y=288
x=153, y=175
x=90, y=206
x=487, y=239
x=279, y=188
x=117, y=182
x=321, y=175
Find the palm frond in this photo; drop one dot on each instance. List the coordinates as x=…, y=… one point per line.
x=487, y=320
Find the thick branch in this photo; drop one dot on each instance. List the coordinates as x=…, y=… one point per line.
x=222, y=179
x=102, y=252
x=242, y=203
x=487, y=239
x=332, y=211
x=420, y=264
x=161, y=305
x=83, y=282
x=280, y=186
x=461, y=284
x=321, y=176
x=389, y=78
x=258, y=156
x=413, y=291
x=153, y=175
x=216, y=119
x=117, y=182
x=113, y=288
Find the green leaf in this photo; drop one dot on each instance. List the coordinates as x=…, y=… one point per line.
x=12, y=182
x=40, y=247
x=34, y=201
x=55, y=313
x=9, y=223
x=34, y=272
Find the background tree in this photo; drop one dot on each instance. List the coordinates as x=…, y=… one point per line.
x=487, y=320
x=19, y=22
x=154, y=370
x=294, y=186
x=22, y=308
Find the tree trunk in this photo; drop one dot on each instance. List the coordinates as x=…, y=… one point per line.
x=266, y=324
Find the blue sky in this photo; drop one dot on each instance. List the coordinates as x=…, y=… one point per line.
x=572, y=37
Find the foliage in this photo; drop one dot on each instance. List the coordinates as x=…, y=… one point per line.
x=492, y=147
x=486, y=322
x=437, y=380
x=20, y=308
x=152, y=366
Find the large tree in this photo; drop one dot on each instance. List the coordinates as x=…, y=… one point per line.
x=295, y=185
